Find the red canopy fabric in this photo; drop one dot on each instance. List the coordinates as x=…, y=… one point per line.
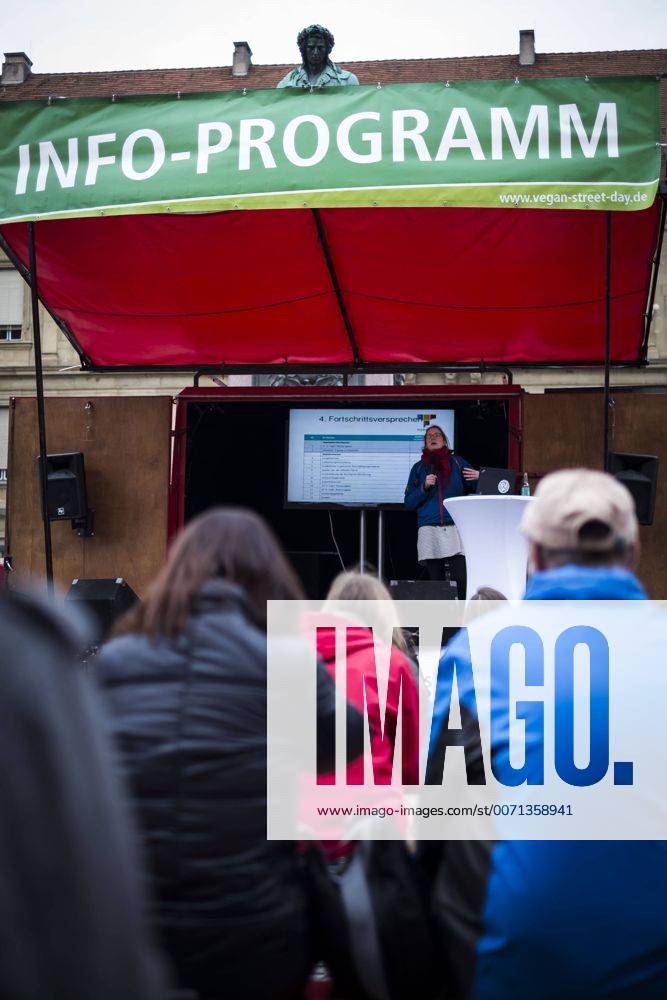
x=418, y=286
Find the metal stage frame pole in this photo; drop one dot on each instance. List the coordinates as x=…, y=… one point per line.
x=41, y=416
x=362, y=540
x=338, y=292
x=608, y=402
x=380, y=543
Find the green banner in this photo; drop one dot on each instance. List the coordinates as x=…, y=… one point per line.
x=558, y=143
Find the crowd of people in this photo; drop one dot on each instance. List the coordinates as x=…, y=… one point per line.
x=133, y=797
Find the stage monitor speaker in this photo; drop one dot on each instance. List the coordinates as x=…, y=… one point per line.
x=423, y=590
x=65, y=486
x=640, y=474
x=104, y=600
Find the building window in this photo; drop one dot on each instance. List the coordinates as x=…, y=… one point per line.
x=10, y=332
x=11, y=305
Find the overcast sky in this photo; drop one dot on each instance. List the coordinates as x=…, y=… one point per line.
x=79, y=35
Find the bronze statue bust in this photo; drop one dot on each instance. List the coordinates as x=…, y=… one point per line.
x=316, y=69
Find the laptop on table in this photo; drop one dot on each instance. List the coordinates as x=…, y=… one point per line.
x=496, y=482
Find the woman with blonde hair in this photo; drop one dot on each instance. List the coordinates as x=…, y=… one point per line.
x=351, y=585
x=362, y=644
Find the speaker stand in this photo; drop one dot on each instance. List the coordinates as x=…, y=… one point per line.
x=85, y=526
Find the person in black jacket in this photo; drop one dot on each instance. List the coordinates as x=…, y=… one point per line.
x=71, y=908
x=186, y=690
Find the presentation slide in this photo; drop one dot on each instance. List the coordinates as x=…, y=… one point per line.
x=356, y=458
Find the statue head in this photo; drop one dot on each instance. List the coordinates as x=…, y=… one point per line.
x=315, y=43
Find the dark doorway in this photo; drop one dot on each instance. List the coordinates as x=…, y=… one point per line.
x=236, y=455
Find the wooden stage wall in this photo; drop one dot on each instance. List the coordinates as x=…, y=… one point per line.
x=565, y=429
x=126, y=447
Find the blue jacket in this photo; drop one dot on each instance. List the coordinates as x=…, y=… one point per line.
x=427, y=503
x=551, y=919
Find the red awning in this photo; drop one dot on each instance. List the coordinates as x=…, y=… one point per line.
x=385, y=286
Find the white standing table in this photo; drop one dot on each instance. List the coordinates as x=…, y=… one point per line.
x=496, y=551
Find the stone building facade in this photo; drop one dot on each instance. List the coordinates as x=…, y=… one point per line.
x=61, y=370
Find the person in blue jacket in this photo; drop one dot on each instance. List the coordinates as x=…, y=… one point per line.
x=439, y=475
x=553, y=919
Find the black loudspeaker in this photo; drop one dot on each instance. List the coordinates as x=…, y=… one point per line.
x=640, y=474
x=65, y=486
x=104, y=600
x=423, y=590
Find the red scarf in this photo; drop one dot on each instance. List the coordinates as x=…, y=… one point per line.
x=438, y=461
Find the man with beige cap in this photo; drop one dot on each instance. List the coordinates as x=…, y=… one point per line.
x=581, y=919
x=581, y=518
